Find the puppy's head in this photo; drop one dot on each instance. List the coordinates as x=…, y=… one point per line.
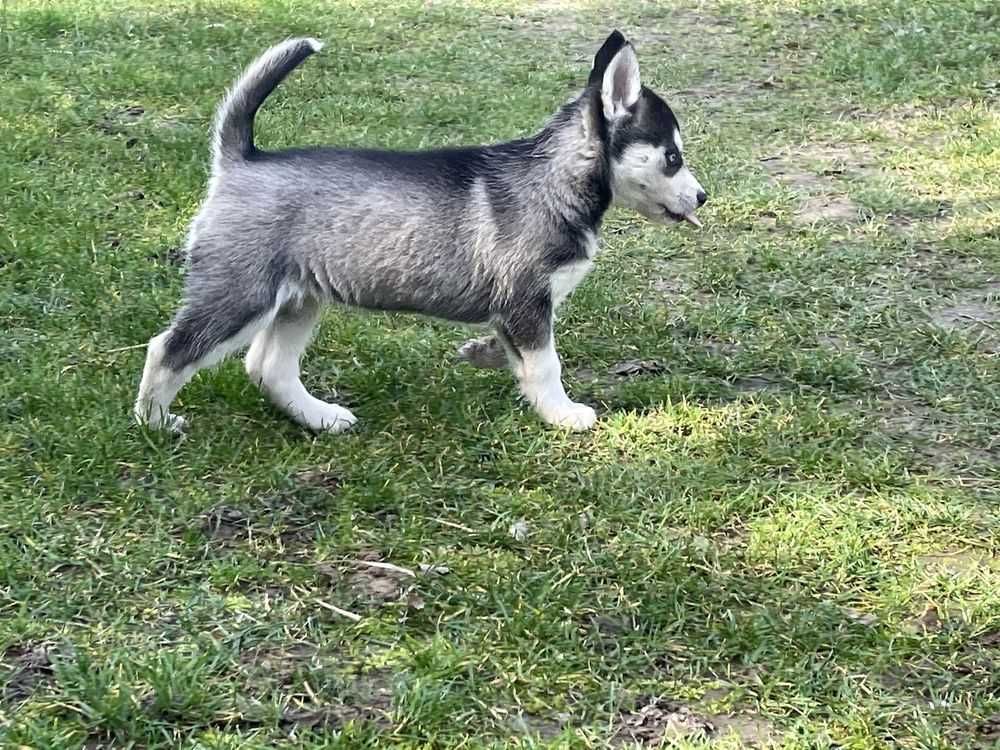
x=648, y=172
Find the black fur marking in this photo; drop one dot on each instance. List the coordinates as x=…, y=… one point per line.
x=504, y=338
x=673, y=161
x=528, y=326
x=611, y=47
x=444, y=168
x=198, y=330
x=458, y=168
x=654, y=123
x=223, y=310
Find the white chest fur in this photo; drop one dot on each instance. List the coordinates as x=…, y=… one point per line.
x=567, y=277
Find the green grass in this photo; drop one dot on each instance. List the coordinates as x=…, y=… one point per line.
x=758, y=529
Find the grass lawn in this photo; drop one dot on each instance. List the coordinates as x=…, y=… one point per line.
x=784, y=529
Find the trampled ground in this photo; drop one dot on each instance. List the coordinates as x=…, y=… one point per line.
x=783, y=530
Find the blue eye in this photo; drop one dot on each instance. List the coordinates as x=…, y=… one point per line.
x=673, y=159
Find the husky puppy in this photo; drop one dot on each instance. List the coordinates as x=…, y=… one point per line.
x=495, y=235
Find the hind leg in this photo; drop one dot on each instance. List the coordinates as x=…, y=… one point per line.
x=273, y=363
x=486, y=353
x=197, y=339
x=158, y=388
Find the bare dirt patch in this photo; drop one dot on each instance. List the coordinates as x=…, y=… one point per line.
x=914, y=678
x=119, y=121
x=751, y=729
x=965, y=315
x=758, y=383
x=31, y=665
x=921, y=219
x=828, y=208
x=374, y=582
x=922, y=681
x=633, y=367
x=956, y=563
x=747, y=96
x=280, y=662
x=320, y=477
x=376, y=587
x=974, y=312
x=367, y=698
x=860, y=617
x=925, y=269
x=224, y=523
x=946, y=443
x=672, y=286
x=273, y=525
x=818, y=160
x=814, y=171
x=988, y=729
x=716, y=40
x=543, y=727
x=990, y=639
x=687, y=36
x=562, y=22
x=603, y=632
x=674, y=278
x=903, y=418
x=929, y=621
x=656, y=721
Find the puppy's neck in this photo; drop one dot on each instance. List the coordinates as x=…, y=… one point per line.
x=573, y=163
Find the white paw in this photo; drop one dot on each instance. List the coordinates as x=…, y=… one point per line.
x=328, y=418
x=162, y=421
x=572, y=416
x=174, y=423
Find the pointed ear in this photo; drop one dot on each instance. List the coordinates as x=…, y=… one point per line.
x=620, y=87
x=602, y=59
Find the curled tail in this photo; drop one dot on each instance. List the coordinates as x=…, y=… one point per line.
x=233, y=139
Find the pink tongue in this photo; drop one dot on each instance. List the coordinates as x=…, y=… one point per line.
x=693, y=219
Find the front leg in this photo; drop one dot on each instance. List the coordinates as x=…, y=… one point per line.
x=533, y=359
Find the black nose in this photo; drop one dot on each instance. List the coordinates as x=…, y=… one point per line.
x=702, y=197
